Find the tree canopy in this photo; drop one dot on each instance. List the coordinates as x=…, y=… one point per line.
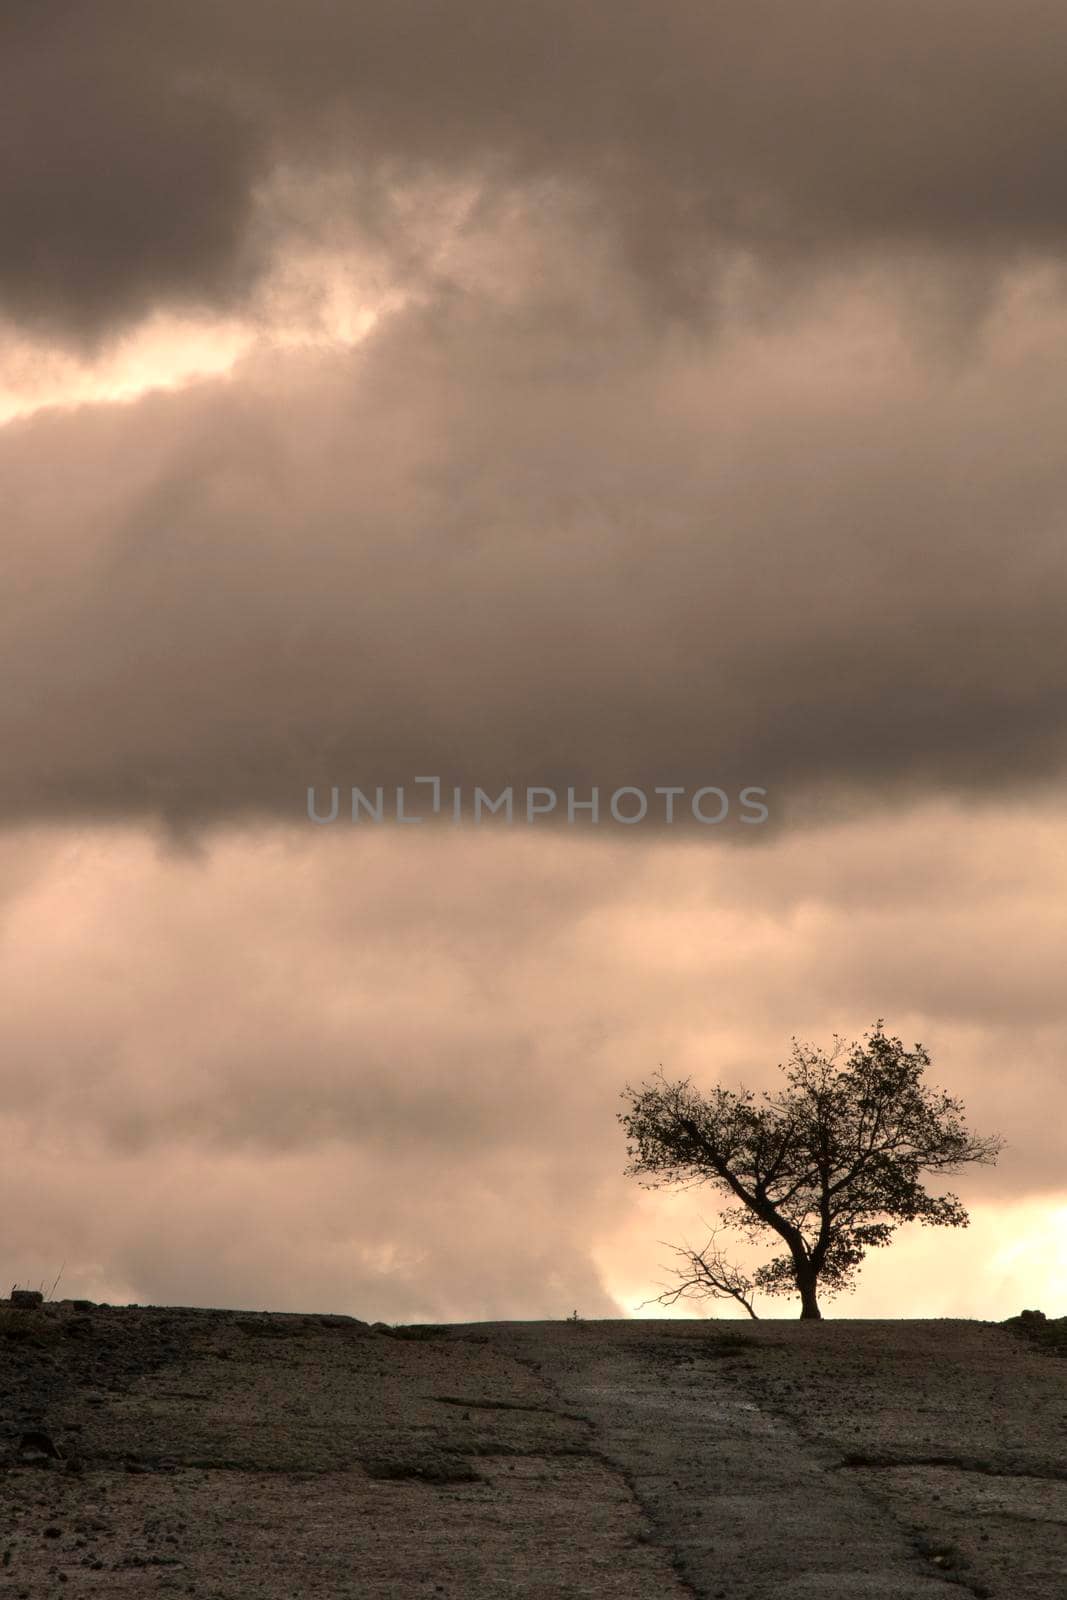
x=830, y=1164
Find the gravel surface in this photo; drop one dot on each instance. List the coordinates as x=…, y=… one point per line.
x=228, y=1454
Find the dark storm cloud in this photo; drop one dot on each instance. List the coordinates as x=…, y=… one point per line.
x=122, y=186
x=136, y=140
x=802, y=558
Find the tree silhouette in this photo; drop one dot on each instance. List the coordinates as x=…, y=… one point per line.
x=830, y=1164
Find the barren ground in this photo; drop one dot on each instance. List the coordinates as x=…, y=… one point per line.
x=232, y=1455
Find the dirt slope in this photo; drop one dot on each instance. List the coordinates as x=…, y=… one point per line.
x=230, y=1455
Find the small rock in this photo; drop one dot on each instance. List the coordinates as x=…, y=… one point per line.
x=27, y=1299
x=35, y=1444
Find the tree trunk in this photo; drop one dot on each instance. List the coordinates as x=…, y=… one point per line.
x=807, y=1283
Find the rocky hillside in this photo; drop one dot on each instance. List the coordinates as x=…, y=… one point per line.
x=152, y=1450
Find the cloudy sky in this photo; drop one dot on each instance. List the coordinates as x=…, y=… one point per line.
x=552, y=397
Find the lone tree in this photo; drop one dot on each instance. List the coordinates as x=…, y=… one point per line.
x=831, y=1164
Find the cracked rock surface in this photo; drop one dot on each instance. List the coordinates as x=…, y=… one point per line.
x=233, y=1454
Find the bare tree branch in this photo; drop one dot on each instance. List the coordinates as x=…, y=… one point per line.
x=707, y=1275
